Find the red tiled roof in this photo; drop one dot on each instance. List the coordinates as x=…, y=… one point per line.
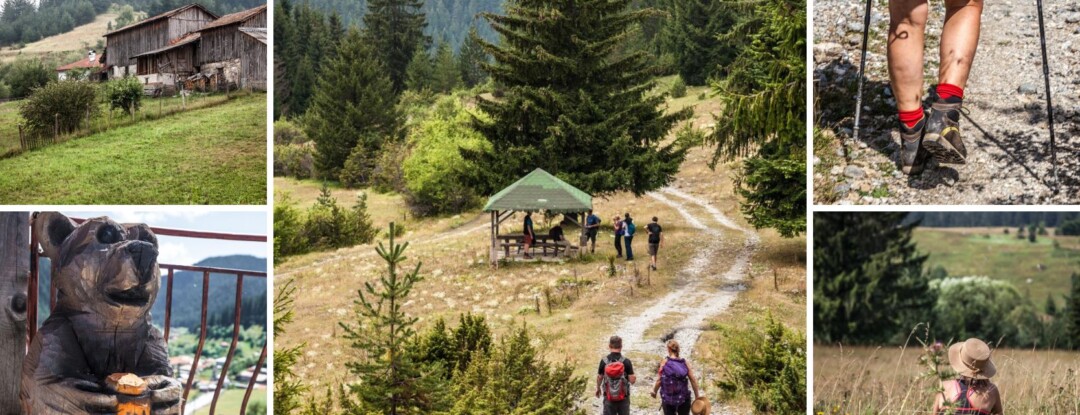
x=235, y=18
x=83, y=63
x=169, y=13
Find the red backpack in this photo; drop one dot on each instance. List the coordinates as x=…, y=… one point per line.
x=616, y=385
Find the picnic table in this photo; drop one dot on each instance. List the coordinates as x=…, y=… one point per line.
x=545, y=242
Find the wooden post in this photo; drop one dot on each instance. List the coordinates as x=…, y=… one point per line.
x=22, y=139
x=56, y=128
x=14, y=270
x=160, y=107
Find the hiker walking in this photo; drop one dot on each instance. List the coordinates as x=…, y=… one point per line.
x=672, y=381
x=614, y=378
x=592, y=226
x=619, y=230
x=656, y=238
x=971, y=393
x=628, y=236
x=934, y=132
x=530, y=234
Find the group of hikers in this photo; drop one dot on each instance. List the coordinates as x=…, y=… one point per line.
x=624, y=227
x=674, y=381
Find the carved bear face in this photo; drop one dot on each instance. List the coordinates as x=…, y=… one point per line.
x=101, y=267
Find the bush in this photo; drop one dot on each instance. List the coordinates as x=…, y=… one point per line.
x=358, y=168
x=66, y=103
x=287, y=227
x=981, y=307
x=295, y=160
x=27, y=75
x=767, y=365
x=5, y=90
x=388, y=176
x=287, y=132
x=678, y=88
x=435, y=172
x=124, y=94
x=1070, y=228
x=329, y=226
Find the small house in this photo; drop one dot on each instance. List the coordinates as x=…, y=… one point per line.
x=89, y=68
x=151, y=34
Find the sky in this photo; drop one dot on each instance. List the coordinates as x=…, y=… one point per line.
x=188, y=251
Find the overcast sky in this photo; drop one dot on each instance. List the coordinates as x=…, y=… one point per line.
x=188, y=251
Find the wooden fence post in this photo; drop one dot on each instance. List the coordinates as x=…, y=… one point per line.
x=14, y=270
x=56, y=128
x=22, y=139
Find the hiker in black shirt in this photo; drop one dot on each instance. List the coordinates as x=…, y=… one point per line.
x=656, y=238
x=613, y=379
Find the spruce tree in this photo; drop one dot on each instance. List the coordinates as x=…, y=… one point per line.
x=763, y=122
x=572, y=106
x=869, y=284
x=471, y=57
x=445, y=75
x=354, y=105
x=394, y=379
x=420, y=73
x=396, y=29
x=288, y=390
x=693, y=37
x=1051, y=306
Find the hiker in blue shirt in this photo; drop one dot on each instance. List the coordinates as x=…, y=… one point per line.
x=628, y=236
x=592, y=226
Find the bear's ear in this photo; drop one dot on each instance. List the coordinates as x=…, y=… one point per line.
x=52, y=228
x=140, y=232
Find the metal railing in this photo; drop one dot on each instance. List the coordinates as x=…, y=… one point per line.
x=32, y=300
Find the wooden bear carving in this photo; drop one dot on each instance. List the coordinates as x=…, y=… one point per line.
x=106, y=278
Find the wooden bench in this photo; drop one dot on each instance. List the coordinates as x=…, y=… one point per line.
x=544, y=242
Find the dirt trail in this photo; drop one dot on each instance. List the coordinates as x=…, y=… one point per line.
x=1005, y=132
x=704, y=291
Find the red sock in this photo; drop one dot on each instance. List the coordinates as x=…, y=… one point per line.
x=910, y=118
x=946, y=91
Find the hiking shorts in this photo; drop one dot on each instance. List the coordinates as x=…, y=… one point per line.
x=683, y=409
x=590, y=235
x=653, y=248
x=617, y=408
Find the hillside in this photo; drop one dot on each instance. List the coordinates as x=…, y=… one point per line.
x=187, y=292
x=77, y=41
x=716, y=273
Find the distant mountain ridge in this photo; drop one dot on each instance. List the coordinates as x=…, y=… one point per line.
x=448, y=20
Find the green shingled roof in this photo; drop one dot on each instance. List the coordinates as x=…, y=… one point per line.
x=539, y=191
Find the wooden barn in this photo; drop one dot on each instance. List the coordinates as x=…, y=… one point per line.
x=123, y=45
x=227, y=47
x=162, y=68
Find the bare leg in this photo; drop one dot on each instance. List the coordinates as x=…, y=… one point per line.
x=907, y=26
x=959, y=39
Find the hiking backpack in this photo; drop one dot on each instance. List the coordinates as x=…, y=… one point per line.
x=630, y=229
x=674, y=390
x=616, y=385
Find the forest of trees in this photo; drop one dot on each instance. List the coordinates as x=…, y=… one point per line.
x=871, y=287
x=988, y=219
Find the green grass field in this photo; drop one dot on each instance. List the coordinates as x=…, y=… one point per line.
x=230, y=400
x=990, y=252
x=9, y=127
x=214, y=155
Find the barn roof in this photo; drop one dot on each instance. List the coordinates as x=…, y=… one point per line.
x=235, y=18
x=539, y=191
x=165, y=15
x=173, y=44
x=256, y=33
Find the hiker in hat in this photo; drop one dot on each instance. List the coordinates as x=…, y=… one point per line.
x=619, y=230
x=592, y=226
x=628, y=236
x=656, y=238
x=530, y=234
x=672, y=380
x=614, y=378
x=971, y=393
x=935, y=131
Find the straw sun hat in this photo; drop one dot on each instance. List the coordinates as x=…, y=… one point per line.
x=700, y=406
x=971, y=358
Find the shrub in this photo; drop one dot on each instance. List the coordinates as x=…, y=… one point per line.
x=768, y=365
x=981, y=307
x=27, y=75
x=435, y=172
x=124, y=94
x=287, y=132
x=388, y=176
x=5, y=90
x=358, y=168
x=1070, y=228
x=678, y=88
x=328, y=226
x=295, y=160
x=64, y=103
x=288, y=225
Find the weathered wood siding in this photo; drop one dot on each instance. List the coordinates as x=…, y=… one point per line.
x=124, y=45
x=226, y=43
x=182, y=57
x=14, y=269
x=253, y=64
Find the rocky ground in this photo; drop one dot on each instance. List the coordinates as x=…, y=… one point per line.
x=1006, y=132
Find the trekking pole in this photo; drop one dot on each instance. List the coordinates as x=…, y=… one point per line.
x=1049, y=103
x=862, y=69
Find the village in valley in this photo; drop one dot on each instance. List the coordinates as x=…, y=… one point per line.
x=181, y=94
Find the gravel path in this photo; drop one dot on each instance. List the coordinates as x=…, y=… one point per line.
x=1006, y=132
x=704, y=291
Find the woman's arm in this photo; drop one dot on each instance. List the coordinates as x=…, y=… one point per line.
x=659, y=374
x=693, y=381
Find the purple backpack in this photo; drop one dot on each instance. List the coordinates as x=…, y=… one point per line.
x=674, y=385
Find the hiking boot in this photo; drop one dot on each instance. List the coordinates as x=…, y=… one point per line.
x=912, y=155
x=942, y=138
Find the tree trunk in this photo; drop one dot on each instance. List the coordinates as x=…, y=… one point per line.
x=14, y=269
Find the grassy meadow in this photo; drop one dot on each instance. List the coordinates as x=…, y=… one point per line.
x=867, y=380
x=213, y=155
x=9, y=127
x=991, y=252
x=585, y=299
x=70, y=45
x=230, y=400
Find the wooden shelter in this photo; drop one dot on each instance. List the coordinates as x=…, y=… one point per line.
x=170, y=63
x=223, y=47
x=539, y=191
x=125, y=43
x=253, y=59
